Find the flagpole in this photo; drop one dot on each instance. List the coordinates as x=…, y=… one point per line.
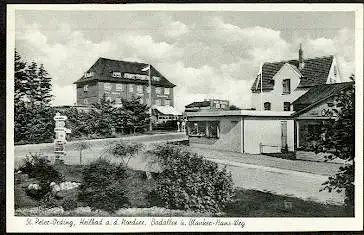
x=261, y=88
x=150, y=99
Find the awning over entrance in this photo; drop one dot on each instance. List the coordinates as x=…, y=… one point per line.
x=167, y=110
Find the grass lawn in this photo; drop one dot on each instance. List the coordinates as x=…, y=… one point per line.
x=246, y=203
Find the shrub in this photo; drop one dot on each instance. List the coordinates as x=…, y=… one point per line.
x=69, y=204
x=190, y=182
x=39, y=167
x=124, y=151
x=102, y=186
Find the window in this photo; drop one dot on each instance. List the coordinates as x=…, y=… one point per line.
x=89, y=74
x=118, y=100
x=217, y=105
x=85, y=101
x=158, y=90
x=139, y=88
x=131, y=88
x=107, y=86
x=119, y=87
x=158, y=102
x=85, y=88
x=267, y=106
x=286, y=86
x=286, y=106
x=209, y=129
x=167, y=102
x=157, y=79
x=116, y=75
x=166, y=91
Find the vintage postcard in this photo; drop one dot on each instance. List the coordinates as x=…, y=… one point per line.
x=193, y=117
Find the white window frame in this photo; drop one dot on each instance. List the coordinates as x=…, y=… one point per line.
x=286, y=90
x=167, y=102
x=119, y=87
x=158, y=90
x=116, y=74
x=166, y=91
x=85, y=88
x=107, y=86
x=139, y=88
x=85, y=101
x=130, y=88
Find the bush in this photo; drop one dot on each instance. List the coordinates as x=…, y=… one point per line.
x=190, y=182
x=39, y=167
x=102, y=186
x=124, y=151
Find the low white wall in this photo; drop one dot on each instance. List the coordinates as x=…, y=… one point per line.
x=268, y=132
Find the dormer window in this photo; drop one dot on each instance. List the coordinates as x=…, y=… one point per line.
x=286, y=85
x=89, y=74
x=116, y=74
x=157, y=79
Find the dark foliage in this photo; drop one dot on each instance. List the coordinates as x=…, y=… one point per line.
x=33, y=116
x=39, y=167
x=102, y=186
x=336, y=137
x=167, y=126
x=190, y=182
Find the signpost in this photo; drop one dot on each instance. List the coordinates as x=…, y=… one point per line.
x=60, y=140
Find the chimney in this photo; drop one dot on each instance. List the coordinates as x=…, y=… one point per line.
x=301, y=64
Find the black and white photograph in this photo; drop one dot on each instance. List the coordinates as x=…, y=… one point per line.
x=193, y=117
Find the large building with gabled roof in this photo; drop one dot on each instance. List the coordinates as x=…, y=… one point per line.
x=279, y=84
x=119, y=80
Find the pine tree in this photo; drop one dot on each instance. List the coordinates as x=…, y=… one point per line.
x=20, y=78
x=45, y=95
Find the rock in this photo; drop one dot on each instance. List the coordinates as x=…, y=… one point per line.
x=54, y=211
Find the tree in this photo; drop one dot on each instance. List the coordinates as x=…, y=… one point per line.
x=135, y=114
x=20, y=78
x=337, y=138
x=45, y=85
x=233, y=107
x=33, y=119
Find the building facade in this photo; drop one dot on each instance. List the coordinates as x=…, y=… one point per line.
x=119, y=80
x=208, y=104
x=279, y=84
x=242, y=131
x=313, y=108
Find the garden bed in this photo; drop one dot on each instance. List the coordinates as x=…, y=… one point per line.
x=246, y=203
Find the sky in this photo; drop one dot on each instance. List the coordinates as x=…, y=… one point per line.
x=207, y=54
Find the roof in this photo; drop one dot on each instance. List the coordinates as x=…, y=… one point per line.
x=318, y=94
x=248, y=113
x=167, y=110
x=103, y=69
x=196, y=104
x=314, y=72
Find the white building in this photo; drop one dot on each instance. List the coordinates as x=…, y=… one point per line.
x=285, y=81
x=242, y=131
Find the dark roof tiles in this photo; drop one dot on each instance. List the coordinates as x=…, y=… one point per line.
x=319, y=93
x=314, y=72
x=103, y=69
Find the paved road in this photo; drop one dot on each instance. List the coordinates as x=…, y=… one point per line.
x=97, y=147
x=279, y=176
